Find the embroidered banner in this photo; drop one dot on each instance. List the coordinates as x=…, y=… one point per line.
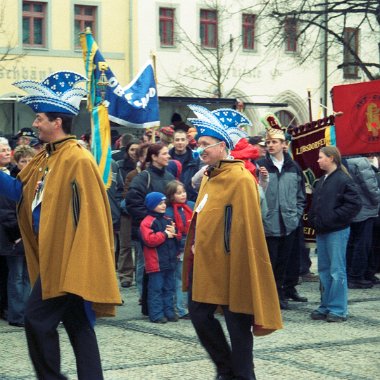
x=358, y=129
x=135, y=105
x=307, y=140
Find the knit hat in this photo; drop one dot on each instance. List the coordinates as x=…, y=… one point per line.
x=222, y=124
x=56, y=93
x=153, y=199
x=168, y=130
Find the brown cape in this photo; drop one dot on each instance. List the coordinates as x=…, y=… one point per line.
x=73, y=252
x=232, y=269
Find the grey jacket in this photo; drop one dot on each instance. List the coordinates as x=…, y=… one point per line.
x=285, y=196
x=364, y=176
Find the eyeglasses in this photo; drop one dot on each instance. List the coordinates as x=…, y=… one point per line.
x=200, y=149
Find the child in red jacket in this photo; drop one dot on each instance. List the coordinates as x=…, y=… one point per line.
x=160, y=247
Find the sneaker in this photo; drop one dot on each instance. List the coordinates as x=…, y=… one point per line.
x=186, y=316
x=173, y=319
x=161, y=320
x=317, y=315
x=335, y=318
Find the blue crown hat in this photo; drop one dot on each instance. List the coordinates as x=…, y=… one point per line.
x=222, y=124
x=56, y=93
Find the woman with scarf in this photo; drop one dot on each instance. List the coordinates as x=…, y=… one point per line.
x=180, y=210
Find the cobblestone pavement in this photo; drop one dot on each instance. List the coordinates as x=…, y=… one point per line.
x=133, y=348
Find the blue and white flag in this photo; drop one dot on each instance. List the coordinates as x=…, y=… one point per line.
x=135, y=105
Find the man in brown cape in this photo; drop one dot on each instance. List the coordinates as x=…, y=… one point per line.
x=226, y=259
x=66, y=229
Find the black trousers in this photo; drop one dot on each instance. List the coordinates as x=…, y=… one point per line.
x=280, y=250
x=42, y=318
x=235, y=361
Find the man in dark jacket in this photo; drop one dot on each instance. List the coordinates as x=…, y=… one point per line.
x=283, y=183
x=361, y=228
x=190, y=165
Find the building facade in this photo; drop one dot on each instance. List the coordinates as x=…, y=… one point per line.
x=237, y=50
x=41, y=37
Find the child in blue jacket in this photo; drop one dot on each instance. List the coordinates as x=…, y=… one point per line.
x=160, y=247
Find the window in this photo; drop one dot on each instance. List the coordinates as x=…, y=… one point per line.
x=291, y=35
x=351, y=42
x=167, y=26
x=249, y=31
x=33, y=24
x=286, y=118
x=209, y=28
x=84, y=16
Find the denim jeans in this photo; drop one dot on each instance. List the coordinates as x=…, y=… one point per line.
x=18, y=288
x=161, y=289
x=179, y=294
x=139, y=262
x=331, y=249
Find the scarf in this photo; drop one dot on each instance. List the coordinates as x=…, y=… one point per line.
x=181, y=227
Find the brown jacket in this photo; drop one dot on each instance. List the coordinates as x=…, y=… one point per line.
x=73, y=250
x=231, y=261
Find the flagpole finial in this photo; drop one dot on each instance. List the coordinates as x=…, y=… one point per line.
x=88, y=30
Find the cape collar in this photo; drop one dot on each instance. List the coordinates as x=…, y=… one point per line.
x=56, y=145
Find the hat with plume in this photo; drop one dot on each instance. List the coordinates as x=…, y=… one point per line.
x=223, y=124
x=56, y=93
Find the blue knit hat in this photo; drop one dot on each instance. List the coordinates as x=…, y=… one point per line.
x=153, y=199
x=56, y=93
x=223, y=124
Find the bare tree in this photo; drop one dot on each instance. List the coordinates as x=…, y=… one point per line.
x=331, y=18
x=212, y=66
x=7, y=54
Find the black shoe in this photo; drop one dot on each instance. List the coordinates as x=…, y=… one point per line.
x=284, y=305
x=161, y=320
x=317, y=316
x=186, y=316
x=374, y=279
x=16, y=324
x=335, y=318
x=360, y=284
x=173, y=319
x=126, y=284
x=294, y=295
x=224, y=377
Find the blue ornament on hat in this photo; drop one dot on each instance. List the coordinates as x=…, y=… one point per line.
x=56, y=93
x=223, y=124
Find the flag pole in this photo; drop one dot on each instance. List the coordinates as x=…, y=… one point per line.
x=153, y=57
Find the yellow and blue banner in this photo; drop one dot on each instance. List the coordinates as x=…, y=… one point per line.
x=101, y=142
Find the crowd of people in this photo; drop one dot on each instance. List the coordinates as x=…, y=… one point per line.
x=200, y=218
